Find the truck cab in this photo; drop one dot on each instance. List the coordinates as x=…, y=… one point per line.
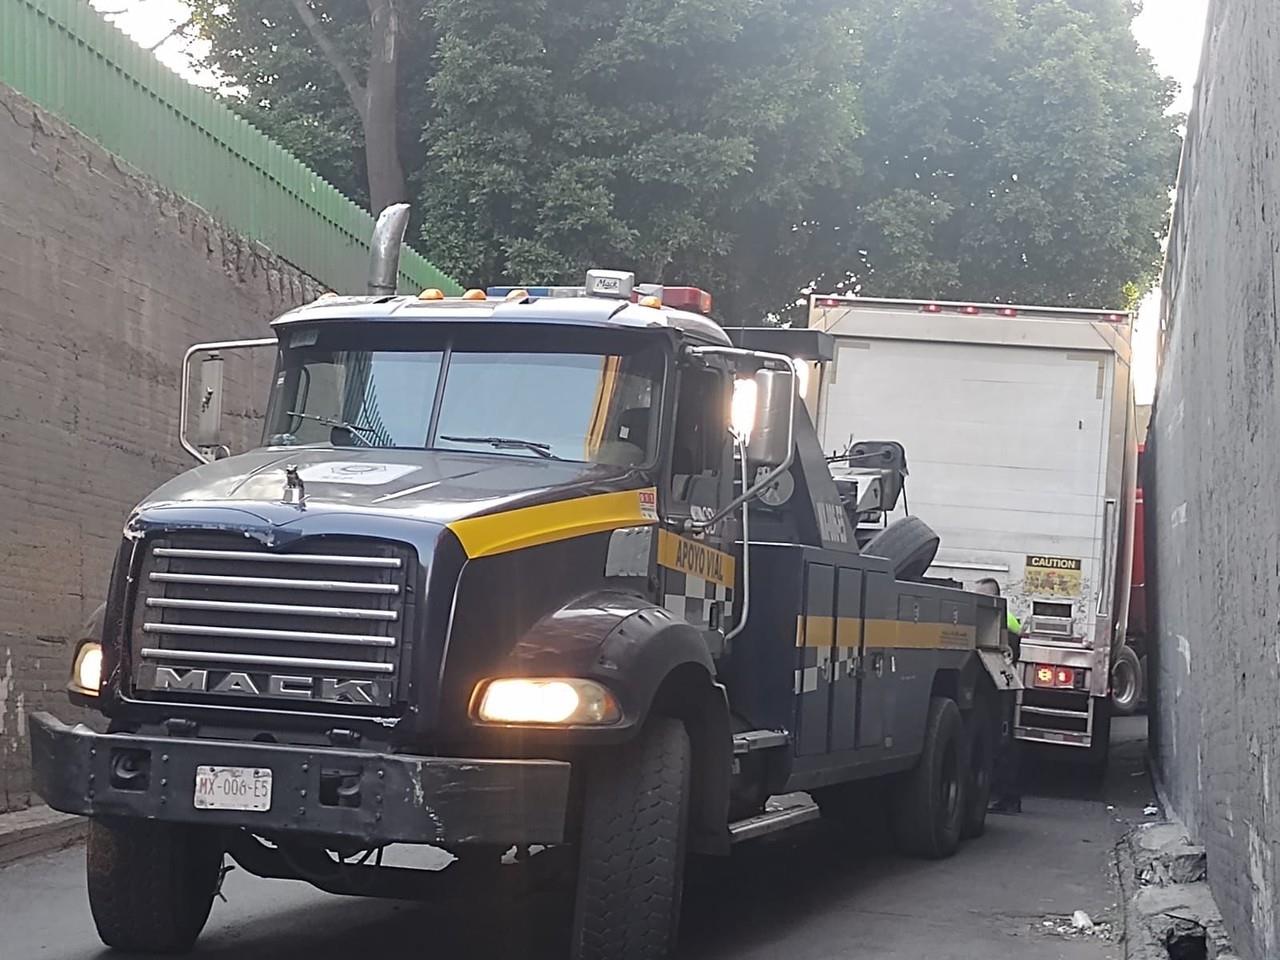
x=529, y=568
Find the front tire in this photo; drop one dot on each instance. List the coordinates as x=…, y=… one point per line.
x=929, y=812
x=151, y=884
x=632, y=848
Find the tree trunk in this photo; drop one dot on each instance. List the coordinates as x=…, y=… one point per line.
x=381, y=147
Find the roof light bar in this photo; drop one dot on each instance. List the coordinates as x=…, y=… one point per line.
x=612, y=284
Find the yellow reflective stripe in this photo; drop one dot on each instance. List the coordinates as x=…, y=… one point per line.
x=884, y=634
x=550, y=522
x=694, y=558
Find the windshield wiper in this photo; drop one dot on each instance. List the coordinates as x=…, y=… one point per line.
x=509, y=443
x=330, y=422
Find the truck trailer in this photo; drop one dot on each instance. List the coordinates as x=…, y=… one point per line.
x=1021, y=429
x=552, y=576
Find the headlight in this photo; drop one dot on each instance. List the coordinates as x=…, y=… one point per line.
x=552, y=702
x=86, y=672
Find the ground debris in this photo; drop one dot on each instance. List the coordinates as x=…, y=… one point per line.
x=1076, y=926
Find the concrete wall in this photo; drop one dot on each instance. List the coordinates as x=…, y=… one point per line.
x=1214, y=525
x=105, y=280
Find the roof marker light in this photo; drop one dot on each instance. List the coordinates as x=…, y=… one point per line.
x=654, y=302
x=971, y=311
x=475, y=295
x=1007, y=312
x=519, y=293
x=431, y=293
x=932, y=308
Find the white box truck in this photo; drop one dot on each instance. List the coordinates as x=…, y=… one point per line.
x=1019, y=422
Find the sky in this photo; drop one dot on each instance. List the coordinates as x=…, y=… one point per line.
x=1172, y=30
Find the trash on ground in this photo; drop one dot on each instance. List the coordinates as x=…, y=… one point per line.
x=1081, y=921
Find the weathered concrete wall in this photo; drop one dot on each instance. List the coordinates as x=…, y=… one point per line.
x=105, y=280
x=1215, y=520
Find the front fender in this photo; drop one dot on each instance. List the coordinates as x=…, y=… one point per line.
x=652, y=662
x=621, y=640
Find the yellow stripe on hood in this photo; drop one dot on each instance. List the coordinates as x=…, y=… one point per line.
x=551, y=522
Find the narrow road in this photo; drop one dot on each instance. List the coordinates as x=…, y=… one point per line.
x=800, y=897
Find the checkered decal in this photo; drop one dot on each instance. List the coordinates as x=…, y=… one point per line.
x=814, y=663
x=693, y=599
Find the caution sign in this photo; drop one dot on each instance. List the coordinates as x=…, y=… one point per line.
x=1053, y=577
x=695, y=559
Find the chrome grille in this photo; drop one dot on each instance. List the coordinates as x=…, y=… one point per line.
x=320, y=623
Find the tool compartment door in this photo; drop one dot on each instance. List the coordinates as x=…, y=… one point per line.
x=844, y=667
x=815, y=640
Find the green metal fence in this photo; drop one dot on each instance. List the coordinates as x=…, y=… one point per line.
x=65, y=57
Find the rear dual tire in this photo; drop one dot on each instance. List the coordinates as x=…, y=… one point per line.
x=929, y=811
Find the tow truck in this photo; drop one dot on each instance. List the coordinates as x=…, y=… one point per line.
x=558, y=576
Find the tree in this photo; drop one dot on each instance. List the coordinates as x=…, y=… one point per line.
x=341, y=83
x=1015, y=150
x=972, y=149
x=682, y=139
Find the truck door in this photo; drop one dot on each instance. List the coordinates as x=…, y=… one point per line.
x=697, y=571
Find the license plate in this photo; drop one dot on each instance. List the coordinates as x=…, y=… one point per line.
x=233, y=788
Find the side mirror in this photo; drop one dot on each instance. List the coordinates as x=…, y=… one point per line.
x=770, y=440
x=205, y=442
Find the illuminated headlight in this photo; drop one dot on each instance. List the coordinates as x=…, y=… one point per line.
x=551, y=702
x=86, y=672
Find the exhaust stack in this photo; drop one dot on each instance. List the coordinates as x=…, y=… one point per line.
x=384, y=259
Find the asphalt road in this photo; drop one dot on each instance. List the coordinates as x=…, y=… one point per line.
x=800, y=896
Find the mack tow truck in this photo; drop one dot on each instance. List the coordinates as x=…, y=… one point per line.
x=558, y=571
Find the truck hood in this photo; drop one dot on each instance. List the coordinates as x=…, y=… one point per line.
x=433, y=486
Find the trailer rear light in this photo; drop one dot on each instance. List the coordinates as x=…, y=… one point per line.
x=1048, y=676
x=1116, y=317
x=931, y=308
x=970, y=311
x=829, y=302
x=1007, y=312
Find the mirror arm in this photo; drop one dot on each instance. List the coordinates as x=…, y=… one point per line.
x=184, y=403
x=697, y=526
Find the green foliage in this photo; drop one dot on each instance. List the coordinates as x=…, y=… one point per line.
x=975, y=149
x=679, y=138
x=282, y=84
x=1016, y=150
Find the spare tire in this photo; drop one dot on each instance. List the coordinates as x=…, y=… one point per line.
x=909, y=544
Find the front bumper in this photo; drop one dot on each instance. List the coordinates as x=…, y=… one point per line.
x=387, y=797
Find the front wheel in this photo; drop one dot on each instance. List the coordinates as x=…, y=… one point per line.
x=151, y=884
x=929, y=812
x=632, y=848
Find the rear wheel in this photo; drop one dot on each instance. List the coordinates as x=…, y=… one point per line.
x=151, y=884
x=632, y=848
x=1126, y=682
x=980, y=744
x=929, y=812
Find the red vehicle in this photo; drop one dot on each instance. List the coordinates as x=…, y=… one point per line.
x=1129, y=671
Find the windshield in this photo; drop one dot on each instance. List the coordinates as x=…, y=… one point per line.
x=590, y=405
